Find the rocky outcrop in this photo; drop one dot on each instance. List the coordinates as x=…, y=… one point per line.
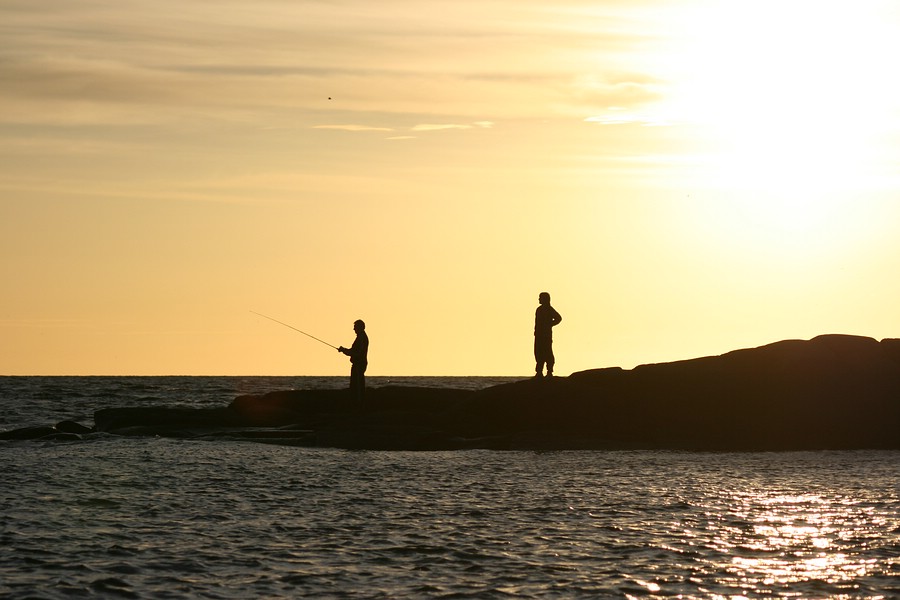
x=831, y=392
x=64, y=430
x=834, y=391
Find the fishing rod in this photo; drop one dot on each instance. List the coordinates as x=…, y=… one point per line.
x=294, y=328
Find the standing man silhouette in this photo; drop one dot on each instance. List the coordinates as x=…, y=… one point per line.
x=545, y=319
x=359, y=360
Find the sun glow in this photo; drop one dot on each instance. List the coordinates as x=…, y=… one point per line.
x=796, y=107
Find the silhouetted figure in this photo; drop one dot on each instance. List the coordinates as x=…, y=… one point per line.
x=359, y=360
x=545, y=319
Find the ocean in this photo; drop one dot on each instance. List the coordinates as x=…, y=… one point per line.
x=117, y=517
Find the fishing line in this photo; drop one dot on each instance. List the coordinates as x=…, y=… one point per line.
x=294, y=328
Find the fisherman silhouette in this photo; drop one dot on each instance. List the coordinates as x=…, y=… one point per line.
x=359, y=360
x=545, y=319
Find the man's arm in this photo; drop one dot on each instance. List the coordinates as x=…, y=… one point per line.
x=359, y=349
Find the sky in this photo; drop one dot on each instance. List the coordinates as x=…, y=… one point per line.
x=684, y=177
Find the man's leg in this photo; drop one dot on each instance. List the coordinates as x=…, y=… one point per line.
x=551, y=360
x=357, y=384
x=540, y=357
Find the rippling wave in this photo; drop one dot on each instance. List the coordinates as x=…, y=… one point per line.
x=163, y=518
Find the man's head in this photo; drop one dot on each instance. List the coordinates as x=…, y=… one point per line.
x=544, y=298
x=359, y=325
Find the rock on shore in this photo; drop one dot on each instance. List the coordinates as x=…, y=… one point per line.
x=831, y=392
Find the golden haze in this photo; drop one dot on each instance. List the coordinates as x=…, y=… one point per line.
x=683, y=179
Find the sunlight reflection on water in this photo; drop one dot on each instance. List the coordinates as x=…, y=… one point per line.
x=141, y=517
x=786, y=539
x=236, y=519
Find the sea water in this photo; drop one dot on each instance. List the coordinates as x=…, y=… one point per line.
x=109, y=516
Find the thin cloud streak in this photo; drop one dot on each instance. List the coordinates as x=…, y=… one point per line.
x=439, y=127
x=351, y=127
x=236, y=61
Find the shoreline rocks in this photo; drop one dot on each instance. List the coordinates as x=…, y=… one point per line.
x=831, y=392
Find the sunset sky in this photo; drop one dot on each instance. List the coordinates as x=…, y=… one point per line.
x=685, y=177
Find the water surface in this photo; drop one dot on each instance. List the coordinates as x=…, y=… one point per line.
x=164, y=518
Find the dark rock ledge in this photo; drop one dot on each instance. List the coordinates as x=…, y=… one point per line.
x=831, y=392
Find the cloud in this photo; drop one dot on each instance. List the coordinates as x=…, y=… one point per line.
x=87, y=79
x=416, y=128
x=352, y=127
x=447, y=126
x=624, y=91
x=423, y=127
x=439, y=127
x=627, y=118
x=274, y=62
